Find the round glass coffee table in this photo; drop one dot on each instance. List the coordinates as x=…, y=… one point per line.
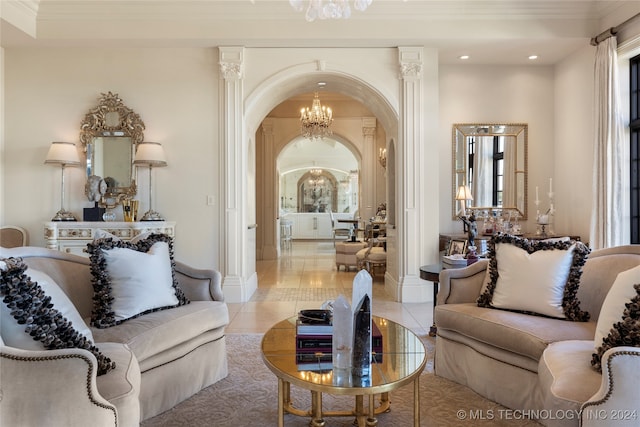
x=401, y=362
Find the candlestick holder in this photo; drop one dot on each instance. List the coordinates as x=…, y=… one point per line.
x=552, y=211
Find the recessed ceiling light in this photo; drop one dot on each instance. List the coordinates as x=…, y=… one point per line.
x=463, y=57
x=322, y=84
x=532, y=57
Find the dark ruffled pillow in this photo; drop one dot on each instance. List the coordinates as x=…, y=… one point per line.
x=132, y=278
x=535, y=277
x=37, y=316
x=619, y=320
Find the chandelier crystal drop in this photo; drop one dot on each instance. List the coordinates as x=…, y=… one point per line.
x=315, y=121
x=328, y=9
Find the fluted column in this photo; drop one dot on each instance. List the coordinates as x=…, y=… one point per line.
x=234, y=232
x=267, y=191
x=368, y=184
x=409, y=173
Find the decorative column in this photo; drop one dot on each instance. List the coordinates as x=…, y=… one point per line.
x=410, y=176
x=234, y=238
x=367, y=199
x=267, y=194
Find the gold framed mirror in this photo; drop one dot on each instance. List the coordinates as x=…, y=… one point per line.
x=109, y=134
x=491, y=159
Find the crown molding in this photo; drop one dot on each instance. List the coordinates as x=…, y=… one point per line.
x=22, y=14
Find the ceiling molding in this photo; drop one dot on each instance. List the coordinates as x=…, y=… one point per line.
x=280, y=10
x=22, y=14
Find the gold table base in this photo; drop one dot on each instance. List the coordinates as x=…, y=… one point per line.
x=363, y=419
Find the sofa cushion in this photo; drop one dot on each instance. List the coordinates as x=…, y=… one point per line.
x=131, y=279
x=31, y=319
x=121, y=387
x=619, y=321
x=535, y=277
x=513, y=332
x=566, y=378
x=160, y=331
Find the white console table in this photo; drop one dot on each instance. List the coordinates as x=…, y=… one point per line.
x=72, y=236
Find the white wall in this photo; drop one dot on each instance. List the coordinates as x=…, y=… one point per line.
x=175, y=91
x=574, y=136
x=498, y=94
x=48, y=92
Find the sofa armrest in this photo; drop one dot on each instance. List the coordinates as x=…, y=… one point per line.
x=616, y=402
x=51, y=387
x=462, y=285
x=198, y=284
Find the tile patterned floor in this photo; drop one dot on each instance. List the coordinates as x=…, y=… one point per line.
x=306, y=276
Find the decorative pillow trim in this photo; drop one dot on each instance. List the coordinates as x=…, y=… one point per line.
x=102, y=315
x=623, y=333
x=30, y=306
x=570, y=302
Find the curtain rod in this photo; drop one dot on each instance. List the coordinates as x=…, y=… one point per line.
x=611, y=31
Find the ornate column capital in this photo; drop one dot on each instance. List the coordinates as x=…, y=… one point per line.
x=231, y=60
x=368, y=126
x=410, y=59
x=267, y=126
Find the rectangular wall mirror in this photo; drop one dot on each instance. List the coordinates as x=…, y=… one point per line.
x=491, y=159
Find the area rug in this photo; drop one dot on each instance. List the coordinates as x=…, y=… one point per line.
x=248, y=397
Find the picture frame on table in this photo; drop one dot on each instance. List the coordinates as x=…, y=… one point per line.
x=457, y=247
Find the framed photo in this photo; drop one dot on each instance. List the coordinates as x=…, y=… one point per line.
x=457, y=247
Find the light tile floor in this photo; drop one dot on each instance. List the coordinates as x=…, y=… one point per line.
x=305, y=276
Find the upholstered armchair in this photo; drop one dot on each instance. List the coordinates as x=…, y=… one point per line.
x=12, y=236
x=616, y=402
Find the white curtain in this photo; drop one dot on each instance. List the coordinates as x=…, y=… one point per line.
x=606, y=226
x=509, y=188
x=483, y=172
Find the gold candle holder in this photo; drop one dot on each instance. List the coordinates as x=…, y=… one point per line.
x=134, y=209
x=127, y=210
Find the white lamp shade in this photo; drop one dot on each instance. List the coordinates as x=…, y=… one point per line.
x=464, y=193
x=150, y=153
x=63, y=153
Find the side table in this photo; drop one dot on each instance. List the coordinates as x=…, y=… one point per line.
x=431, y=273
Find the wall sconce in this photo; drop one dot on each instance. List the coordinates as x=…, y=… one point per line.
x=63, y=154
x=150, y=154
x=382, y=157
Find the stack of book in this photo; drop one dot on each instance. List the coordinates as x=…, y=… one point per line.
x=454, y=261
x=314, y=345
x=314, y=342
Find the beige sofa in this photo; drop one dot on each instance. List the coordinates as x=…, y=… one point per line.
x=161, y=357
x=537, y=365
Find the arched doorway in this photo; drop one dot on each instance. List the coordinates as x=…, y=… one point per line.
x=398, y=106
x=268, y=136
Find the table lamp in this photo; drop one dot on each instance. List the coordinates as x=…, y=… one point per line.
x=150, y=154
x=463, y=194
x=63, y=154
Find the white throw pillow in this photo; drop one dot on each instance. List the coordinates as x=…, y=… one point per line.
x=140, y=281
x=531, y=282
x=536, y=277
x=612, y=312
x=14, y=335
x=132, y=278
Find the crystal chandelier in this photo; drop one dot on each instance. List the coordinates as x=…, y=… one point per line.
x=328, y=9
x=315, y=121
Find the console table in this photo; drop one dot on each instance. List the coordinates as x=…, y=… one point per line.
x=72, y=236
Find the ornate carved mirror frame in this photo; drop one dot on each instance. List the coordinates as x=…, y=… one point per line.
x=110, y=133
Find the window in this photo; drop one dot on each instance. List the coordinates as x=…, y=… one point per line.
x=634, y=149
x=497, y=167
